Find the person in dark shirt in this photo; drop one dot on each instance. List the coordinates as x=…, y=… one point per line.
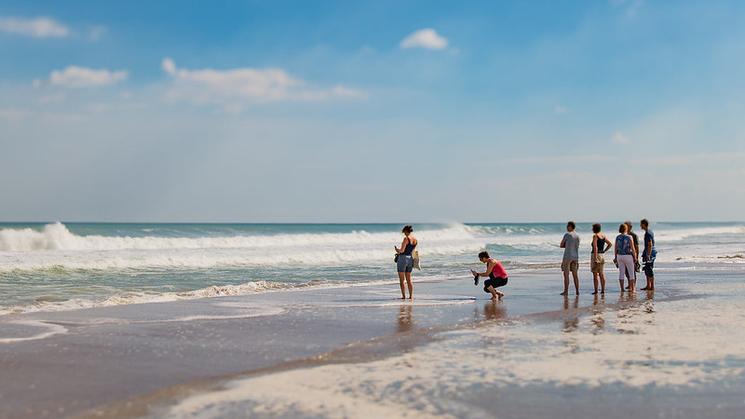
x=637, y=265
x=649, y=255
x=600, y=245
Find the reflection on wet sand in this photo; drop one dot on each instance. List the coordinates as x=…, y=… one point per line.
x=571, y=317
x=628, y=323
x=598, y=308
x=494, y=310
x=627, y=297
x=405, y=321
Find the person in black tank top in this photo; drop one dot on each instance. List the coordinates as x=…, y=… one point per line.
x=600, y=245
x=405, y=260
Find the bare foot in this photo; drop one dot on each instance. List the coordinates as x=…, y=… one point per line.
x=564, y=293
x=643, y=289
x=595, y=293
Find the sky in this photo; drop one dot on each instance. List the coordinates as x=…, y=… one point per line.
x=385, y=111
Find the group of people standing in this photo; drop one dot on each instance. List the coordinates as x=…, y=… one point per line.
x=626, y=256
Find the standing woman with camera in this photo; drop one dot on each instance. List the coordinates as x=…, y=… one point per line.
x=405, y=260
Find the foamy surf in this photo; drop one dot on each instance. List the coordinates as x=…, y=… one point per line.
x=145, y=297
x=22, y=331
x=55, y=247
x=61, y=304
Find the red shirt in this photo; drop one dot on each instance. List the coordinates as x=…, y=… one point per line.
x=498, y=270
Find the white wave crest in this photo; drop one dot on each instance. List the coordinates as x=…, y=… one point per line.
x=143, y=297
x=56, y=247
x=57, y=236
x=149, y=297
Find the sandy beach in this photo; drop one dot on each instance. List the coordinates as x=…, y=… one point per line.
x=212, y=210
x=359, y=352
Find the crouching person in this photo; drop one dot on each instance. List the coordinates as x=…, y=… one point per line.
x=496, y=273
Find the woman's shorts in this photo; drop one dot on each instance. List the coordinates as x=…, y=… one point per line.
x=405, y=263
x=494, y=282
x=597, y=264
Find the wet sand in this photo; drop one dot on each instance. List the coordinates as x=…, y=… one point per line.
x=65, y=363
x=353, y=351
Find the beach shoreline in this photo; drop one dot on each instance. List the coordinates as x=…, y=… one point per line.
x=452, y=375
x=125, y=360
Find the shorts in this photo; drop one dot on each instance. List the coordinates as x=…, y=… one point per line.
x=405, y=263
x=494, y=282
x=648, y=268
x=597, y=264
x=569, y=265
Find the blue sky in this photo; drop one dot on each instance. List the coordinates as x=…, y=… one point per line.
x=372, y=111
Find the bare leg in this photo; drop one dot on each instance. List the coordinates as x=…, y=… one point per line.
x=411, y=287
x=628, y=277
x=566, y=283
x=650, y=282
x=595, y=280
x=495, y=295
x=576, y=282
x=632, y=285
x=401, y=278
x=602, y=282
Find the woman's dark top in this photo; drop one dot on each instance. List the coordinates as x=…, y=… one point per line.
x=409, y=248
x=601, y=245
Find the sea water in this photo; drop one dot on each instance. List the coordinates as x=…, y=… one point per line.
x=58, y=266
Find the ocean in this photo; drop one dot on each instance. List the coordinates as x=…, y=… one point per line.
x=61, y=266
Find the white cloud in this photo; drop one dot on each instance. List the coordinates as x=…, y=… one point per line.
x=169, y=66
x=231, y=88
x=424, y=38
x=40, y=27
x=620, y=138
x=74, y=76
